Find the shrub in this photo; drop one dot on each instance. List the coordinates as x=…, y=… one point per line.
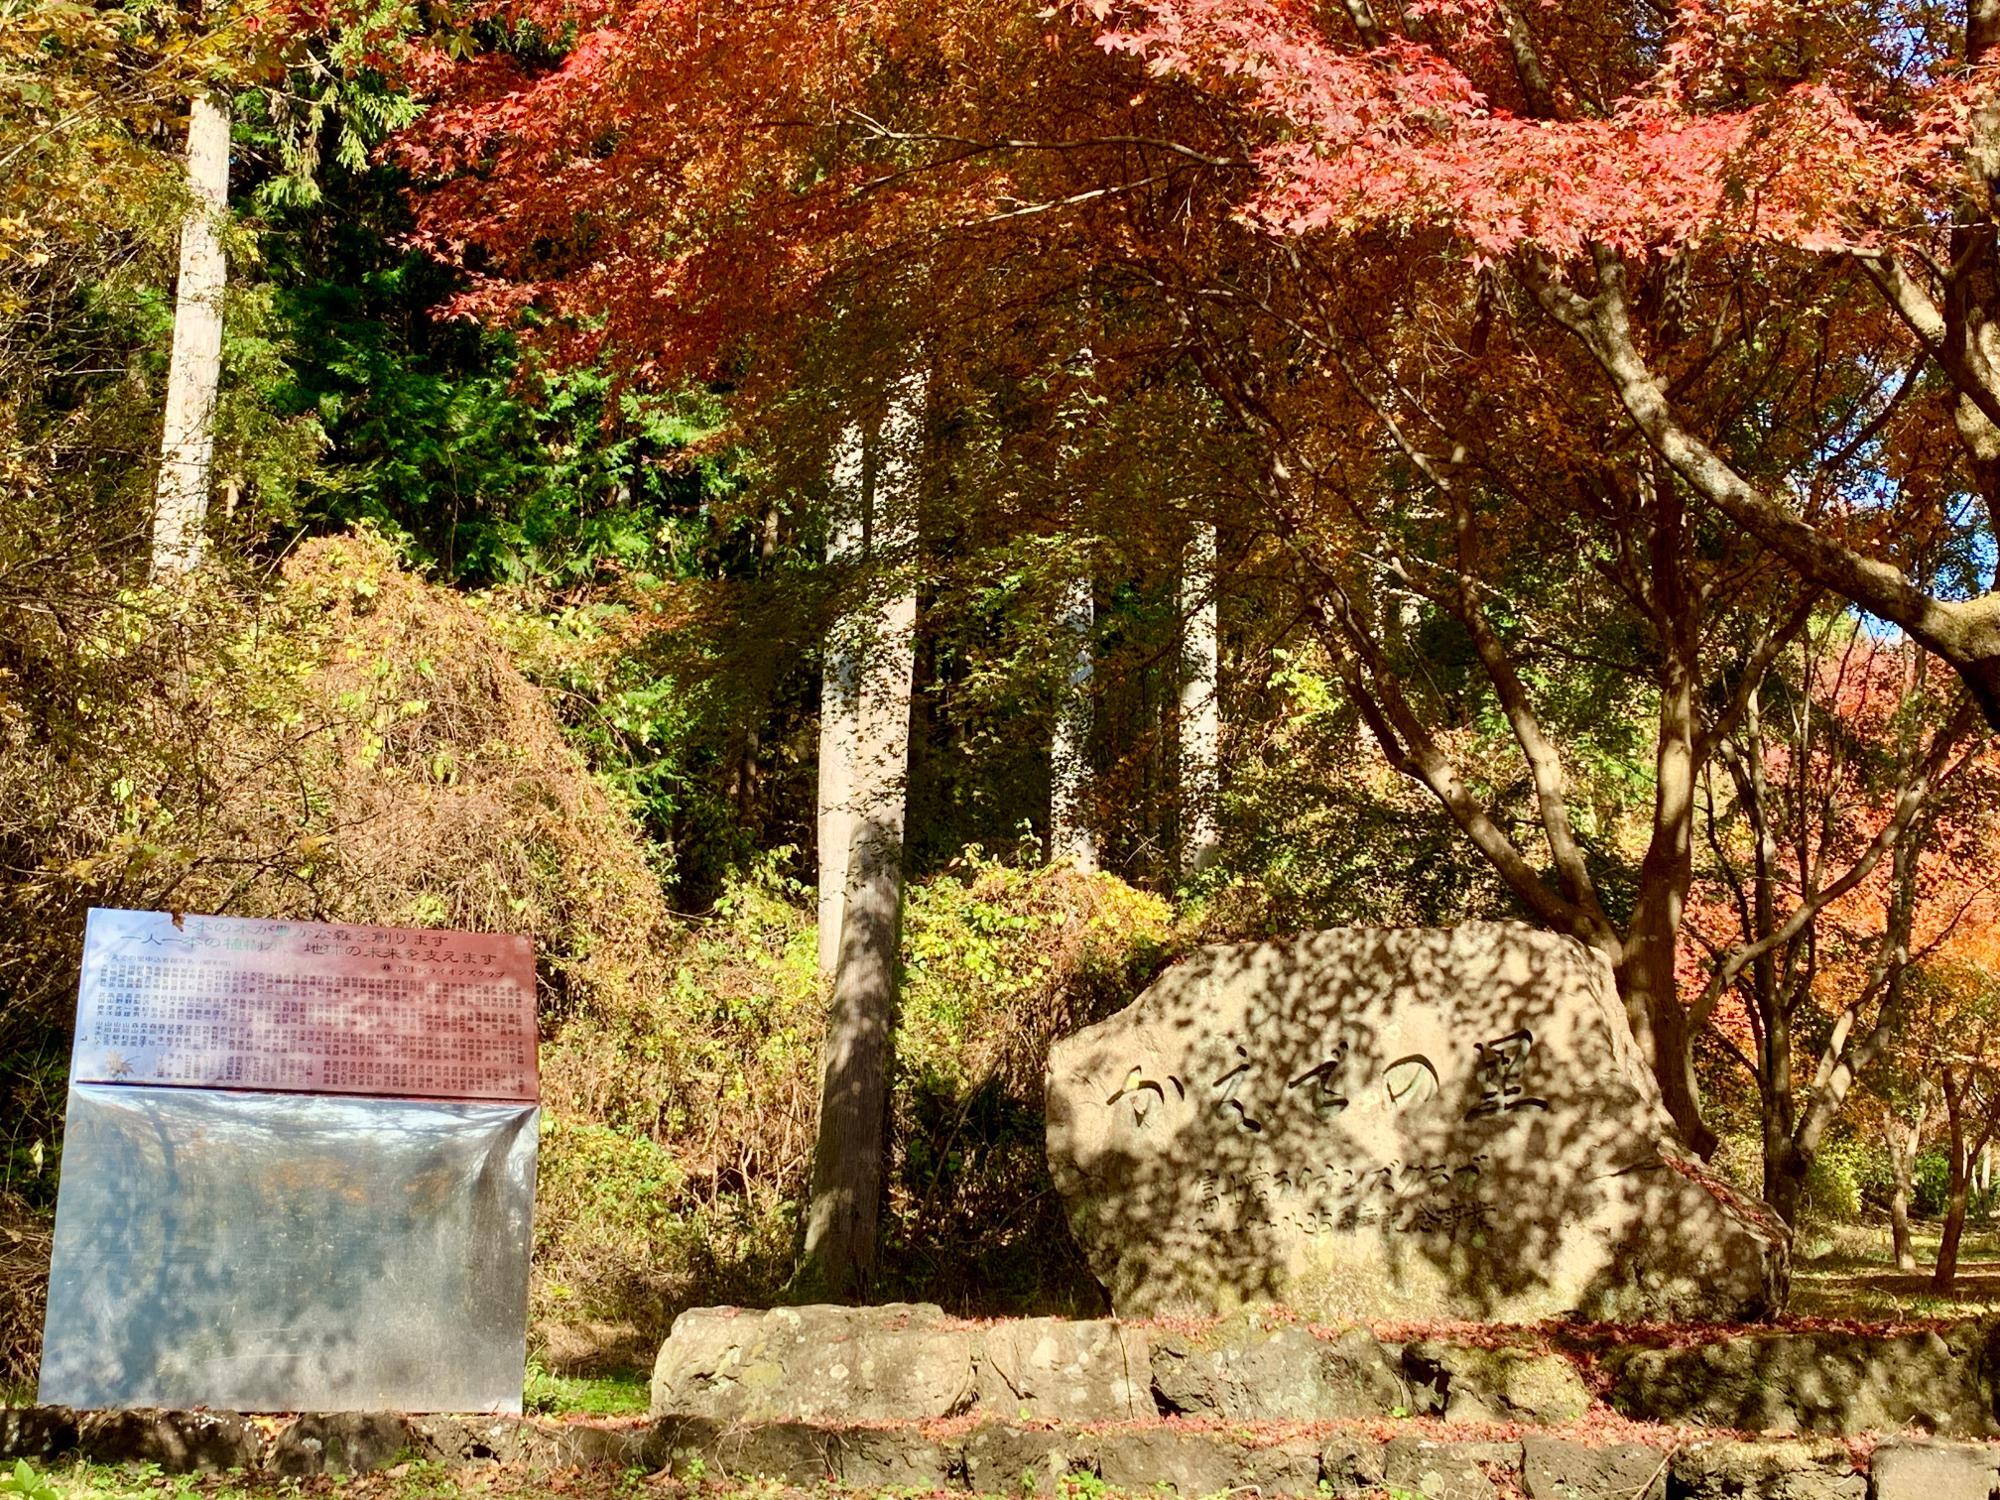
x=999, y=961
x=1833, y=1183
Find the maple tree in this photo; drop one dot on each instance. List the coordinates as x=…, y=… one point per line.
x=1850, y=840
x=1953, y=1037
x=1457, y=275
x=1619, y=168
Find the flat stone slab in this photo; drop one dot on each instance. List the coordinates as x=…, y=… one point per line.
x=1819, y=1382
x=1246, y=1371
x=1932, y=1471
x=857, y=1364
x=1091, y=1371
x=1382, y=1123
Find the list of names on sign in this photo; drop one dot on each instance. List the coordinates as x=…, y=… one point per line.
x=307, y=1007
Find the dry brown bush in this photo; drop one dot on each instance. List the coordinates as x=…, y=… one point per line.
x=352, y=745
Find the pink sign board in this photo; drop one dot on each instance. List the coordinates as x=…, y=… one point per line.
x=305, y=1007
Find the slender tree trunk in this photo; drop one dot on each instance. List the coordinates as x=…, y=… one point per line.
x=1648, y=983
x=850, y=1152
x=187, y=437
x=1646, y=979
x=1200, y=709
x=1903, y=1136
x=1071, y=841
x=837, y=703
x=1958, y=1183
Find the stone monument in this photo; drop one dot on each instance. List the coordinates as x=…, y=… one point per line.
x=1393, y=1123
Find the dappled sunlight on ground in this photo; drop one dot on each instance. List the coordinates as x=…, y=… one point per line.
x=1857, y=1278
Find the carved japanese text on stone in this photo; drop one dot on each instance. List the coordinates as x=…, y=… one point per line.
x=1381, y=1122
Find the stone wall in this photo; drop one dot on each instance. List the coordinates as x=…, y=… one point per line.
x=911, y=1363
x=904, y=1398
x=1017, y=1458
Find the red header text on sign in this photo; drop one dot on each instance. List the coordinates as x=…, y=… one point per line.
x=308, y=1007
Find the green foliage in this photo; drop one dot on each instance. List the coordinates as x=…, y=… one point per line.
x=1930, y=1183
x=24, y=1483
x=999, y=961
x=1930, y=1188
x=1834, y=1181
x=1322, y=832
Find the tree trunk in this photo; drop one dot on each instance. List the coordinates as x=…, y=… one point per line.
x=1785, y=1170
x=1958, y=1182
x=1646, y=979
x=1200, y=710
x=850, y=1152
x=1945, y=1276
x=1903, y=1137
x=1071, y=841
x=1646, y=983
x=187, y=437
x=837, y=702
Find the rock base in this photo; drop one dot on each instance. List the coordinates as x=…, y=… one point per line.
x=1012, y=1458
x=910, y=1363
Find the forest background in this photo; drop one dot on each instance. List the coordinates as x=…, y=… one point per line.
x=548, y=333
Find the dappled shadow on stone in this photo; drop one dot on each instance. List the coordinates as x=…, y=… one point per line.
x=1818, y=1381
x=1392, y=1122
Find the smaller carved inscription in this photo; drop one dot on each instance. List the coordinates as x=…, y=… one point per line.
x=1421, y=1197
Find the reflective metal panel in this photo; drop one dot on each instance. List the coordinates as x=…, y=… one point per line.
x=272, y=1252
x=234, y=1002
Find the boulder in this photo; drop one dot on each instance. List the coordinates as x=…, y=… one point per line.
x=797, y=1453
x=344, y=1442
x=1094, y=1371
x=1466, y=1384
x=1351, y=1461
x=1932, y=1471
x=1002, y=1459
x=1393, y=1123
x=1556, y=1469
x=1815, y=1382
x=575, y=1445
x=1449, y=1471
x=1765, y=1471
x=1204, y=1463
x=900, y=1362
x=871, y=1458
x=36, y=1432
x=1246, y=1370
x=180, y=1442
x=470, y=1440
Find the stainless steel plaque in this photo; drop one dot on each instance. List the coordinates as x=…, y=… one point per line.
x=241, y=1248
x=273, y=1252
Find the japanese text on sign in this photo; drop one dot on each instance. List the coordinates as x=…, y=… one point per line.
x=229, y=1002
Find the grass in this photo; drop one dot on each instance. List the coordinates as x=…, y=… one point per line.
x=1850, y=1273
x=627, y=1395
